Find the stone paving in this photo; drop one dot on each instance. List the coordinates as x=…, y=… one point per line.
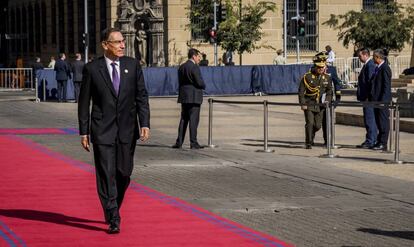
x=354, y=199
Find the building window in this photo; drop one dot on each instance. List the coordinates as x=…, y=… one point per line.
x=24, y=29
x=309, y=42
x=103, y=15
x=37, y=27
x=61, y=30
x=44, y=23
x=70, y=21
x=30, y=29
x=200, y=23
x=92, y=26
x=81, y=25
x=13, y=30
x=53, y=15
x=369, y=5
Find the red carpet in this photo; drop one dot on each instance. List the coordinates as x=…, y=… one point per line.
x=38, y=131
x=47, y=199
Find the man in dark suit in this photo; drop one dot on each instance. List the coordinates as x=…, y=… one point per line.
x=115, y=84
x=190, y=95
x=381, y=91
x=62, y=70
x=363, y=91
x=77, y=68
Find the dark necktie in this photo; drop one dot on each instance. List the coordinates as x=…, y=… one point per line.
x=115, y=78
x=376, y=70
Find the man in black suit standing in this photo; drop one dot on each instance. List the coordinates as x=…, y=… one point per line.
x=77, y=68
x=62, y=70
x=115, y=84
x=381, y=91
x=190, y=95
x=363, y=91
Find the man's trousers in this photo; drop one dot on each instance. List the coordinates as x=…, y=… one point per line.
x=113, y=164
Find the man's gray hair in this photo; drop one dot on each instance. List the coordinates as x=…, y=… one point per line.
x=380, y=54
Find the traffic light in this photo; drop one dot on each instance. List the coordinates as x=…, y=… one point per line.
x=85, y=40
x=301, y=27
x=212, y=34
x=296, y=27
x=222, y=12
x=292, y=27
x=303, y=6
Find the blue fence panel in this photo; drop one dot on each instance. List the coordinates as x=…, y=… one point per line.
x=224, y=80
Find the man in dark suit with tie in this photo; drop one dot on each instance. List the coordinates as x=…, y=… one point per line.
x=190, y=95
x=62, y=70
x=363, y=91
x=381, y=91
x=115, y=84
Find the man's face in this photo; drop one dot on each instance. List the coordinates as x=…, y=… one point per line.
x=197, y=58
x=363, y=57
x=377, y=59
x=115, y=45
x=320, y=70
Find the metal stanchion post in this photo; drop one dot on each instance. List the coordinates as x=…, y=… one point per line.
x=397, y=138
x=210, y=123
x=391, y=134
x=44, y=90
x=329, y=133
x=333, y=122
x=37, y=90
x=266, y=128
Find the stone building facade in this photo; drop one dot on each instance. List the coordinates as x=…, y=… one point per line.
x=155, y=30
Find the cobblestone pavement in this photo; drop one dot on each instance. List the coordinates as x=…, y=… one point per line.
x=354, y=199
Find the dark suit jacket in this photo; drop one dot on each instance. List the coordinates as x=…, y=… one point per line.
x=113, y=116
x=364, y=83
x=62, y=69
x=77, y=68
x=191, y=83
x=381, y=84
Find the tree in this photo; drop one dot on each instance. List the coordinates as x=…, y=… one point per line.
x=240, y=31
x=387, y=26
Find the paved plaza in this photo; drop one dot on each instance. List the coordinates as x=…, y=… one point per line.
x=354, y=199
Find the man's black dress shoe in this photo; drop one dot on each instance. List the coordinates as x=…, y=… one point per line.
x=365, y=145
x=114, y=229
x=308, y=146
x=196, y=146
x=176, y=146
x=379, y=147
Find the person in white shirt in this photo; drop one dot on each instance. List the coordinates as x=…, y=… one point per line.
x=331, y=55
x=279, y=59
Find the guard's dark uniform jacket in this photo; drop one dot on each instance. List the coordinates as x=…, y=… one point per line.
x=313, y=89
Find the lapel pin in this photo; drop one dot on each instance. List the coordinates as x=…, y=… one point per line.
x=126, y=71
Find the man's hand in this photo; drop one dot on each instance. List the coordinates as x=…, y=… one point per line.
x=304, y=107
x=145, y=134
x=85, y=142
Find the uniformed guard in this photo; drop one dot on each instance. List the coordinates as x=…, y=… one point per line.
x=337, y=84
x=315, y=87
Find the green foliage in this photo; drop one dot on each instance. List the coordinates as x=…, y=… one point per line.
x=387, y=26
x=240, y=31
x=201, y=17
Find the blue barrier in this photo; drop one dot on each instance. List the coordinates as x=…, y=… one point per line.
x=49, y=76
x=224, y=80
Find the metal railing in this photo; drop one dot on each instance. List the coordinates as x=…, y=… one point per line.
x=330, y=119
x=349, y=68
x=16, y=79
